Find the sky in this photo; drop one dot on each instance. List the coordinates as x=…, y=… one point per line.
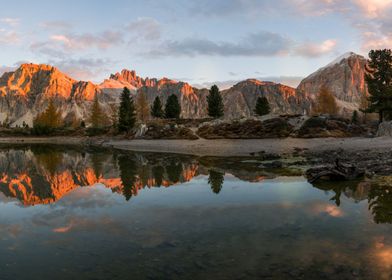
x=201, y=42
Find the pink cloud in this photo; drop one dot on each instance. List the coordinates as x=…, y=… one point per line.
x=313, y=49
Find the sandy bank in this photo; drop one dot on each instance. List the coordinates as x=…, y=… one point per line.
x=222, y=147
x=227, y=147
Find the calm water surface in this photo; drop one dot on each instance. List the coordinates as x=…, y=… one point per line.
x=76, y=214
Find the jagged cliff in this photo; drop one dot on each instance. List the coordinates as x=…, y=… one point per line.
x=27, y=90
x=344, y=77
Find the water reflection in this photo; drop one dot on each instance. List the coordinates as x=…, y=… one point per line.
x=186, y=218
x=377, y=193
x=44, y=174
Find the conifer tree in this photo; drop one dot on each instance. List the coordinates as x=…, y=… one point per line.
x=143, y=110
x=262, y=106
x=113, y=115
x=156, y=108
x=126, y=116
x=354, y=118
x=97, y=116
x=215, y=103
x=325, y=102
x=379, y=82
x=172, y=108
x=50, y=117
x=48, y=120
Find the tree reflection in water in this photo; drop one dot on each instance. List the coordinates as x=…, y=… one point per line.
x=215, y=179
x=43, y=174
x=127, y=168
x=378, y=194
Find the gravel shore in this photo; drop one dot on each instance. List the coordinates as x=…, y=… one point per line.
x=219, y=147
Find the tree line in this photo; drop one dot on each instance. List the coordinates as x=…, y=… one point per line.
x=124, y=117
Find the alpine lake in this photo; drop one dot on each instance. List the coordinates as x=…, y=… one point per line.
x=84, y=213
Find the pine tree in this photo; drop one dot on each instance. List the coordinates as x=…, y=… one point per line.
x=97, y=116
x=215, y=103
x=143, y=110
x=156, y=108
x=262, y=106
x=172, y=108
x=325, y=102
x=354, y=118
x=379, y=82
x=126, y=116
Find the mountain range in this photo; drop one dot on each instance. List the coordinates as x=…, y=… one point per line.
x=26, y=91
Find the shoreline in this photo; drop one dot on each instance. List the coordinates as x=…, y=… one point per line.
x=217, y=147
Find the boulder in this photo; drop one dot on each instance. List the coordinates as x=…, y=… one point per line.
x=384, y=129
x=327, y=126
x=246, y=129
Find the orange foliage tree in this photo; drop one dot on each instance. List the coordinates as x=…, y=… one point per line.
x=49, y=119
x=325, y=102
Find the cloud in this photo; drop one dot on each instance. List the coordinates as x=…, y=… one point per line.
x=253, y=9
x=102, y=40
x=256, y=44
x=83, y=68
x=10, y=21
x=146, y=28
x=62, y=45
x=56, y=24
x=8, y=37
x=373, y=8
x=309, y=49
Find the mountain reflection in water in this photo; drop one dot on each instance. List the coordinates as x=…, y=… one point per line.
x=43, y=175
x=106, y=214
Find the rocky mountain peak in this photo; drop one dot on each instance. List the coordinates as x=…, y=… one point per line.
x=33, y=79
x=344, y=77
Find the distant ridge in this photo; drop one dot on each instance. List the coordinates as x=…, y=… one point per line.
x=25, y=92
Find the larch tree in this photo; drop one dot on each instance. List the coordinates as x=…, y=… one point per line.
x=113, y=115
x=142, y=107
x=50, y=118
x=97, y=117
x=325, y=102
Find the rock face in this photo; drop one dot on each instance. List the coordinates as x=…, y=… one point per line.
x=240, y=100
x=344, y=77
x=26, y=91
